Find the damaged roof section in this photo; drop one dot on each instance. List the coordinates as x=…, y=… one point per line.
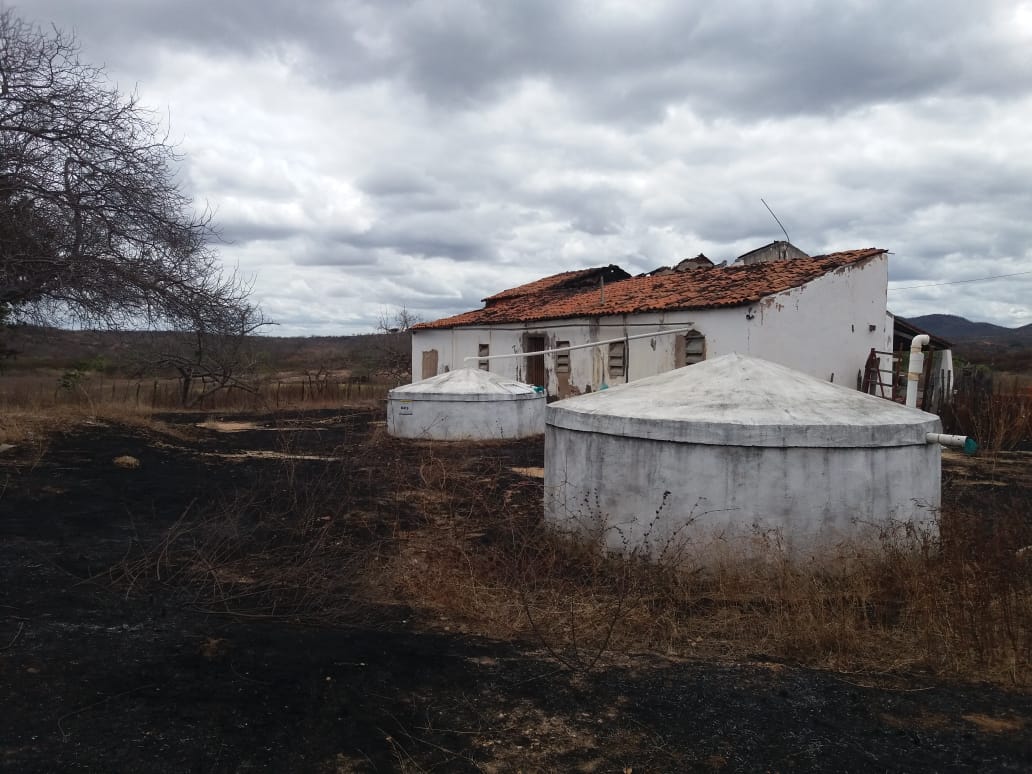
x=568, y=281
x=610, y=290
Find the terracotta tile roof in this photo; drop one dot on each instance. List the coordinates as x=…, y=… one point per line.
x=703, y=288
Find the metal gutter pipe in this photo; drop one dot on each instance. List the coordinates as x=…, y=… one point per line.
x=916, y=366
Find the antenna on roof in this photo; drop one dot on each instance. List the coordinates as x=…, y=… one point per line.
x=787, y=239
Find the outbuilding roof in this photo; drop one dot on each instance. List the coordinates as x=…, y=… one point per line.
x=564, y=295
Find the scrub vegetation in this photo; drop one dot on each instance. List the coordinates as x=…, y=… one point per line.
x=999, y=417
x=956, y=601
x=48, y=370
x=225, y=552
x=456, y=531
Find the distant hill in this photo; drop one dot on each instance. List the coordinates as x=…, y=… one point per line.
x=1005, y=349
x=961, y=330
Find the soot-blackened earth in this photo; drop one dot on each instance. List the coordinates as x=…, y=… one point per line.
x=98, y=675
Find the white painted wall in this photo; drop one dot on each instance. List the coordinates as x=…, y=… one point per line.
x=412, y=416
x=465, y=404
x=663, y=499
x=825, y=328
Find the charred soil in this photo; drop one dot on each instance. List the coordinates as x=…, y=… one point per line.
x=161, y=609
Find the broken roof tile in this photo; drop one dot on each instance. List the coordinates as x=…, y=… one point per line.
x=569, y=280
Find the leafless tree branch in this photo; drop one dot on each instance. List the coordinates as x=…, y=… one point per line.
x=94, y=227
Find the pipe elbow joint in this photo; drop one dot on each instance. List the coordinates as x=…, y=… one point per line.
x=919, y=342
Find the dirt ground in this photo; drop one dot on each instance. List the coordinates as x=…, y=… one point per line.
x=99, y=672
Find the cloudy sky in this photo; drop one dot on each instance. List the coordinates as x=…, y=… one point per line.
x=363, y=156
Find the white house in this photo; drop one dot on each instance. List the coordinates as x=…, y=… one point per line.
x=822, y=315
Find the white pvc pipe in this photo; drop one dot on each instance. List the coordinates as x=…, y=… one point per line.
x=968, y=444
x=916, y=367
x=580, y=346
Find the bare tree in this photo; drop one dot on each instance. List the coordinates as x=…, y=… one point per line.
x=93, y=225
x=205, y=361
x=395, y=341
x=400, y=320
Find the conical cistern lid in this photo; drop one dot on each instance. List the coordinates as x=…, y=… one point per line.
x=744, y=401
x=468, y=383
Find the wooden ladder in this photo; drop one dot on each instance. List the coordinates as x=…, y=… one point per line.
x=874, y=377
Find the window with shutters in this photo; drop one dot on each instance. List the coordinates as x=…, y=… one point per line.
x=690, y=348
x=694, y=347
x=484, y=350
x=562, y=359
x=617, y=359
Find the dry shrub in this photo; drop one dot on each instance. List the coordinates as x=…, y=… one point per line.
x=49, y=389
x=954, y=598
x=451, y=532
x=296, y=546
x=998, y=419
x=985, y=579
x=36, y=426
x=20, y=426
x=229, y=563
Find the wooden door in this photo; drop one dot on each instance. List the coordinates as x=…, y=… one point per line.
x=429, y=363
x=536, y=373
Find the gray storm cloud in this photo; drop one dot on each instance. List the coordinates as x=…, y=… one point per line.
x=362, y=155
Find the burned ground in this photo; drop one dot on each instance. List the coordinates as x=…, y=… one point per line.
x=121, y=651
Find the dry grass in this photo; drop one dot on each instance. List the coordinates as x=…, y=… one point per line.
x=999, y=420
x=269, y=568
x=21, y=425
x=957, y=605
x=46, y=391
x=293, y=547
x=467, y=550
x=461, y=541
